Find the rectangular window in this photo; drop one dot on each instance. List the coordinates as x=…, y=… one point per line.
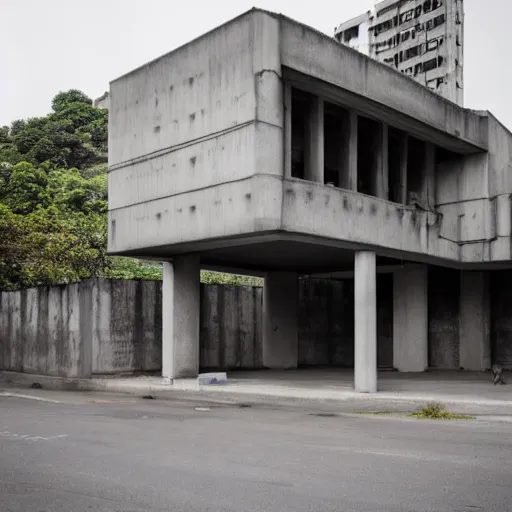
x=432, y=45
x=438, y=20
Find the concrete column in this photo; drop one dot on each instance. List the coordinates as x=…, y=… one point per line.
x=315, y=141
x=180, y=318
x=365, y=306
x=382, y=163
x=410, y=319
x=430, y=175
x=348, y=164
x=475, y=312
x=287, y=131
x=280, y=321
x=404, y=155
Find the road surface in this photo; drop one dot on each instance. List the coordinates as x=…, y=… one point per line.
x=115, y=455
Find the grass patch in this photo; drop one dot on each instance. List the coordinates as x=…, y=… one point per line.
x=437, y=411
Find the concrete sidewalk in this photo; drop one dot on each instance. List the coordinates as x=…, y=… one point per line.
x=461, y=392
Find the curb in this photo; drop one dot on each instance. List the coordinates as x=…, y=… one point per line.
x=224, y=395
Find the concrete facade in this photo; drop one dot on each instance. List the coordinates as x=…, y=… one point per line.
x=423, y=39
x=266, y=147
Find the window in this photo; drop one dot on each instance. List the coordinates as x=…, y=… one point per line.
x=412, y=52
x=438, y=20
x=432, y=45
x=351, y=33
x=406, y=16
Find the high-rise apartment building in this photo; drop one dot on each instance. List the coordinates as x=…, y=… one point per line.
x=421, y=38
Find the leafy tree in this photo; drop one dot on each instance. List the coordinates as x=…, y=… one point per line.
x=24, y=188
x=63, y=99
x=74, y=135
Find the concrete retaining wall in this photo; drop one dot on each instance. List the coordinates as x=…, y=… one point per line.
x=230, y=335
x=95, y=327
x=115, y=326
x=326, y=322
x=40, y=332
x=110, y=327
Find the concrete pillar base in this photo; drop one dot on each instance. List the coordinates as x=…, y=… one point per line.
x=180, y=318
x=410, y=319
x=365, y=306
x=280, y=321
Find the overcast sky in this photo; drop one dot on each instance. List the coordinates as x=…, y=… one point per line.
x=52, y=45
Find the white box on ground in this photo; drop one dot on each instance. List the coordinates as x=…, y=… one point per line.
x=206, y=379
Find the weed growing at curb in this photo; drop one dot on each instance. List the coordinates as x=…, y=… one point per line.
x=437, y=411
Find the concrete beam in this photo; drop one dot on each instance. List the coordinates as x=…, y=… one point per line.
x=404, y=155
x=314, y=154
x=180, y=317
x=429, y=177
x=382, y=163
x=348, y=164
x=280, y=321
x=287, y=130
x=365, y=335
x=410, y=319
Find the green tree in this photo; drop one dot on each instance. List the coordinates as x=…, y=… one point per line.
x=73, y=135
x=64, y=98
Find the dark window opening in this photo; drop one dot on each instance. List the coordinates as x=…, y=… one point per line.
x=439, y=20
x=334, y=150
x=301, y=102
x=351, y=33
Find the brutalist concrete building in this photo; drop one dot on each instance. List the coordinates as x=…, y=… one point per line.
x=266, y=146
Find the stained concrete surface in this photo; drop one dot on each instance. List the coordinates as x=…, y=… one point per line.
x=161, y=456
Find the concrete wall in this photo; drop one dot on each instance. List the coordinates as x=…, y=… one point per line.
x=501, y=318
x=95, y=327
x=326, y=322
x=443, y=318
x=114, y=326
x=126, y=326
x=185, y=139
x=40, y=332
x=230, y=335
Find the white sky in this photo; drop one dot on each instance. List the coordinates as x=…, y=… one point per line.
x=52, y=45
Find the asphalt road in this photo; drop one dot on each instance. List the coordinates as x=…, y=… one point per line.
x=167, y=456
